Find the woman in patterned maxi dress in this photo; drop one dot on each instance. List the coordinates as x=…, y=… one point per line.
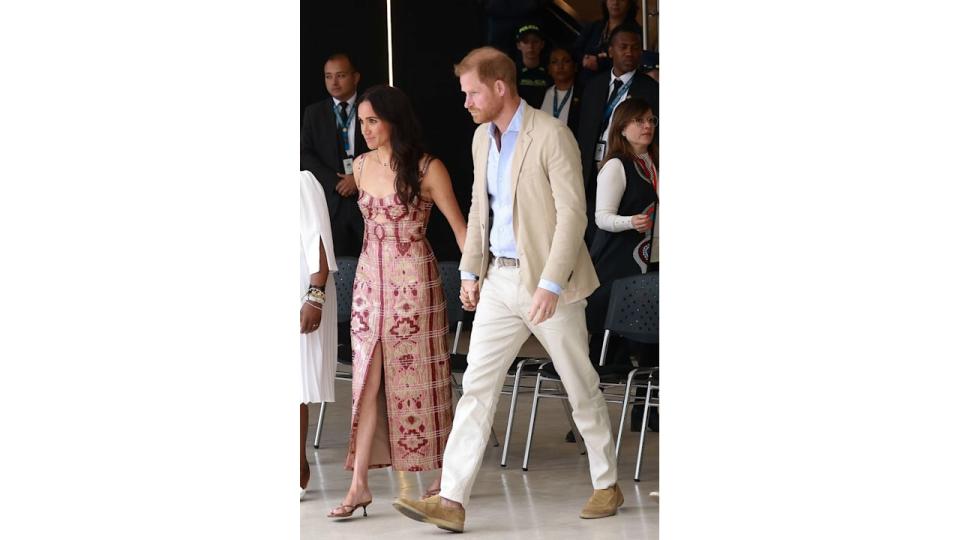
x=402, y=408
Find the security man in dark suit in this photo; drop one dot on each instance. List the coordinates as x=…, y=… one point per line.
x=601, y=96
x=329, y=140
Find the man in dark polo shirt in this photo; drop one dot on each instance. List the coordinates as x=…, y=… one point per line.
x=532, y=77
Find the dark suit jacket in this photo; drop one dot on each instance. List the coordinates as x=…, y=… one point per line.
x=573, y=117
x=592, y=105
x=320, y=151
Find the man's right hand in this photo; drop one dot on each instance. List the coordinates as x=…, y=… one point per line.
x=347, y=186
x=469, y=294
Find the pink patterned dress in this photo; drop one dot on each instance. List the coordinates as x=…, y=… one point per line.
x=398, y=303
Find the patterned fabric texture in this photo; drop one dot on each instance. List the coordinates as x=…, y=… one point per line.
x=398, y=303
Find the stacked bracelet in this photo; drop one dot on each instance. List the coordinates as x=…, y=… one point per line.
x=315, y=295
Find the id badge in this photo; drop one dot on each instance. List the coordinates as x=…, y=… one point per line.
x=598, y=153
x=348, y=166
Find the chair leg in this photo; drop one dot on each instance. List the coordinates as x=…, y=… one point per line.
x=573, y=426
x=323, y=409
x=643, y=432
x=533, y=419
x=623, y=408
x=603, y=349
x=456, y=388
x=518, y=369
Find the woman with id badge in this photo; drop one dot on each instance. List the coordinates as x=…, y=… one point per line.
x=562, y=100
x=626, y=214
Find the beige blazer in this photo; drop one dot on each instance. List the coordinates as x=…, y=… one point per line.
x=549, y=208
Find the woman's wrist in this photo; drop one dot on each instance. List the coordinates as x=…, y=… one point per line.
x=315, y=294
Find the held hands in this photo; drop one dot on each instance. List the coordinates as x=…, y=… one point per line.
x=543, y=307
x=310, y=316
x=640, y=222
x=469, y=294
x=347, y=186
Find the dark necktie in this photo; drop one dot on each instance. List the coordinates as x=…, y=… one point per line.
x=617, y=83
x=343, y=112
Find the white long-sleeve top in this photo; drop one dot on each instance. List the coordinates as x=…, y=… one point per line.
x=611, y=183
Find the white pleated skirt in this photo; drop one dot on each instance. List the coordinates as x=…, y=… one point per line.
x=318, y=349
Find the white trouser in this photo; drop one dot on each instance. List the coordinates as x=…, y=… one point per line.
x=500, y=328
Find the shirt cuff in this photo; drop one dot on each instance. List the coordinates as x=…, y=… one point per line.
x=468, y=275
x=550, y=286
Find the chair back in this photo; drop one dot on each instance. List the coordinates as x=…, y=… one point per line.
x=343, y=278
x=450, y=275
x=634, y=310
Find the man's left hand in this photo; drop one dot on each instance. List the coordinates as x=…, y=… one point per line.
x=543, y=307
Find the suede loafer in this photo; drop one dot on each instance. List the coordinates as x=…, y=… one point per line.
x=603, y=503
x=430, y=510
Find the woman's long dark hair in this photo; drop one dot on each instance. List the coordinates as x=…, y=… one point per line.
x=392, y=106
x=618, y=146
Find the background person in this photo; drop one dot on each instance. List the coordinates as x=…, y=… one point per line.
x=329, y=140
x=318, y=334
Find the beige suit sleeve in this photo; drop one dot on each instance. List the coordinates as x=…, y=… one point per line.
x=566, y=182
x=473, y=247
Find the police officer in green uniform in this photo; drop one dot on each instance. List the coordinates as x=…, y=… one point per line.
x=532, y=77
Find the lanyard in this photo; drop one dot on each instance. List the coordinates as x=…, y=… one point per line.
x=558, y=108
x=616, y=99
x=344, y=127
x=650, y=172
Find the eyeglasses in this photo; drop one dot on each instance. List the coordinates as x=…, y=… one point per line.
x=652, y=121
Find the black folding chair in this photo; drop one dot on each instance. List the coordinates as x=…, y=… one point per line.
x=634, y=314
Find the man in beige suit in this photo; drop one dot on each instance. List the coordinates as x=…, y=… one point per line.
x=527, y=270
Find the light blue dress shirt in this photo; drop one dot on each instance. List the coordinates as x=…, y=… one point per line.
x=499, y=186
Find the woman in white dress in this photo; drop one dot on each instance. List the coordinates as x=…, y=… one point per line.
x=318, y=334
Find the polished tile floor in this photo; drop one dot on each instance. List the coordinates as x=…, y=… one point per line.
x=543, y=502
